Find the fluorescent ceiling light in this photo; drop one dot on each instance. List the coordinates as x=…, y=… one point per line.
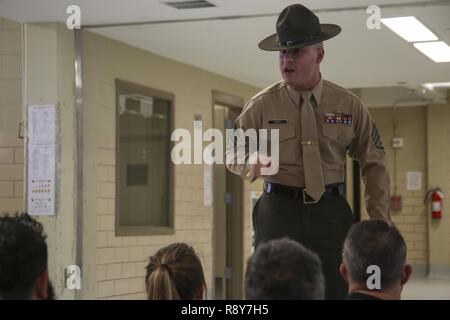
x=431, y=86
x=437, y=51
x=410, y=29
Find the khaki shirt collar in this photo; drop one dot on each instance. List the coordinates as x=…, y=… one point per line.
x=316, y=92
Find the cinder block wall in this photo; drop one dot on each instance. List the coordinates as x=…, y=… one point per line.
x=427, y=143
x=11, y=147
x=116, y=264
x=438, y=159
x=412, y=218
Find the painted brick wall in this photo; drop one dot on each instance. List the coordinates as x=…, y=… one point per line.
x=11, y=147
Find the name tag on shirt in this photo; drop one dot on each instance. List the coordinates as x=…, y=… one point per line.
x=338, y=118
x=278, y=121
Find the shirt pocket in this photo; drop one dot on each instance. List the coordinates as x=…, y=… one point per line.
x=288, y=143
x=285, y=132
x=340, y=134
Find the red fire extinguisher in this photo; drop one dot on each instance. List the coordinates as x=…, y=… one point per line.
x=436, y=202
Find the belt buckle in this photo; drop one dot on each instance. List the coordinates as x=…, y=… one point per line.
x=306, y=201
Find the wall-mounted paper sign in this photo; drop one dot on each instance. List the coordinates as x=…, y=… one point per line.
x=414, y=181
x=41, y=158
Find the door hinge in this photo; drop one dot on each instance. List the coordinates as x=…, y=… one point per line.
x=227, y=273
x=228, y=198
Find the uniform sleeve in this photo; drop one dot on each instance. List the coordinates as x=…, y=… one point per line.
x=368, y=148
x=250, y=117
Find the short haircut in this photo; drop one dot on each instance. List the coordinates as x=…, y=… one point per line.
x=174, y=273
x=23, y=255
x=318, y=45
x=284, y=269
x=374, y=242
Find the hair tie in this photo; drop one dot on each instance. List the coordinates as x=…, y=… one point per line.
x=163, y=265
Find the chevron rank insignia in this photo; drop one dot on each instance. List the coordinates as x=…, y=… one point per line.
x=376, y=139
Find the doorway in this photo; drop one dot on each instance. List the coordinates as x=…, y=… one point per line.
x=228, y=233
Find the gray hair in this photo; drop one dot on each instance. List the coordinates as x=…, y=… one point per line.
x=284, y=269
x=374, y=242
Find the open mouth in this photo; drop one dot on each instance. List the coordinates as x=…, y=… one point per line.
x=288, y=70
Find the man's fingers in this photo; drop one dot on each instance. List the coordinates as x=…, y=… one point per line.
x=265, y=161
x=266, y=165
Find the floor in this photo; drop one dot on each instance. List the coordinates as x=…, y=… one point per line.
x=426, y=289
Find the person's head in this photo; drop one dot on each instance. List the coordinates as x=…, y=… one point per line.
x=375, y=243
x=23, y=259
x=284, y=269
x=299, y=39
x=175, y=273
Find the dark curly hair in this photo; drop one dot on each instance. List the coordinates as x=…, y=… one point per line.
x=23, y=255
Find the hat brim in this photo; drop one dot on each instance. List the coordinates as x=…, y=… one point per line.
x=328, y=31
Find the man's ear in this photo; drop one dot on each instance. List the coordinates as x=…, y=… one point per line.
x=407, y=271
x=40, y=291
x=320, y=55
x=343, y=271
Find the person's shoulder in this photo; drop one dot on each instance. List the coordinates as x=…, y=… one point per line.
x=260, y=97
x=332, y=88
x=270, y=90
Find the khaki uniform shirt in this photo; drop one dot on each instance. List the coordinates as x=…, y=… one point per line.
x=344, y=126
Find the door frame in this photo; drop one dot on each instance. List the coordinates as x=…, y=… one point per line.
x=233, y=256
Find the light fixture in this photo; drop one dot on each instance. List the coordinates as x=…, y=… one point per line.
x=194, y=4
x=433, y=85
x=438, y=51
x=410, y=29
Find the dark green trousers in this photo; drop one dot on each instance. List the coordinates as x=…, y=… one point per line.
x=320, y=227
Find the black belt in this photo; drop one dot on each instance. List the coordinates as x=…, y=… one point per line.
x=331, y=191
